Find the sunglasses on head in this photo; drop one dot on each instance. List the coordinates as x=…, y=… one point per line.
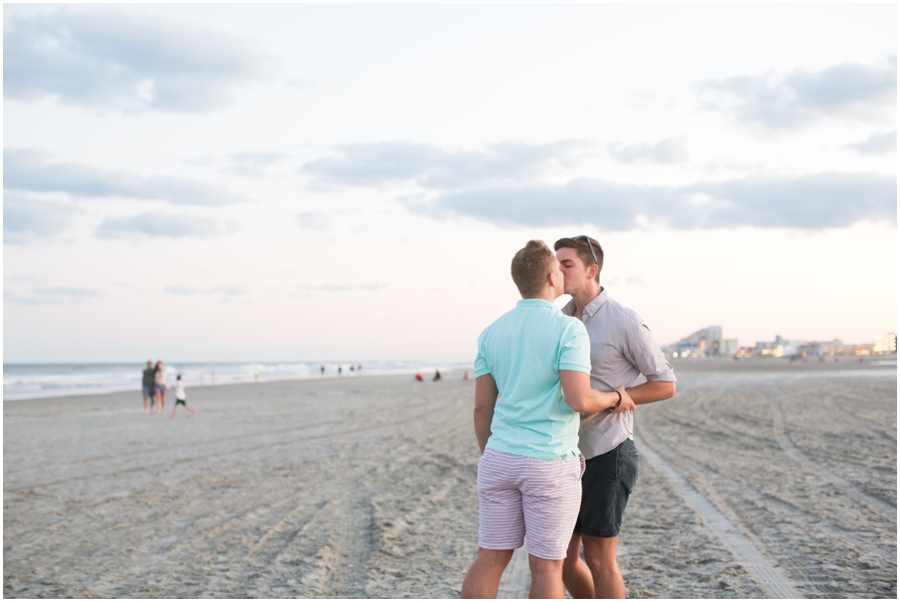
x=589, y=244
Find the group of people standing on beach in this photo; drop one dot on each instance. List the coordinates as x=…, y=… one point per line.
x=554, y=419
x=154, y=389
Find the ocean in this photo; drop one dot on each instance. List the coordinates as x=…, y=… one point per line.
x=32, y=381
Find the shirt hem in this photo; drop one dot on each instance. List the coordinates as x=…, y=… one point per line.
x=573, y=452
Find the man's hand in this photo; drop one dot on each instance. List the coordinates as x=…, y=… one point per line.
x=627, y=402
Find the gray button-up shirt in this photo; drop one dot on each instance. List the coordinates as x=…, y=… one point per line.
x=622, y=349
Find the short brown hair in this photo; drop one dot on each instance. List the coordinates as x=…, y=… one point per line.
x=530, y=267
x=580, y=244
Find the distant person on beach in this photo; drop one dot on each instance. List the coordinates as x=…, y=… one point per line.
x=148, y=383
x=159, y=379
x=322, y=370
x=531, y=380
x=181, y=398
x=622, y=349
x=437, y=376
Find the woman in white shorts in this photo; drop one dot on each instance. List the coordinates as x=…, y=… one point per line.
x=531, y=380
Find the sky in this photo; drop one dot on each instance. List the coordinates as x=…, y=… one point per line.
x=350, y=182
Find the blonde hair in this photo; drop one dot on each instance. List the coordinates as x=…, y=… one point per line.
x=530, y=267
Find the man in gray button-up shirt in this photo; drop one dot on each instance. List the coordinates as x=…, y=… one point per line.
x=622, y=349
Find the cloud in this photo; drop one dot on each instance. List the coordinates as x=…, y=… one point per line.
x=131, y=62
x=670, y=150
x=383, y=163
x=158, y=224
x=300, y=82
x=253, y=165
x=313, y=220
x=877, y=144
x=851, y=90
x=26, y=278
x=826, y=200
x=55, y=296
x=229, y=290
x=31, y=170
x=27, y=220
x=309, y=289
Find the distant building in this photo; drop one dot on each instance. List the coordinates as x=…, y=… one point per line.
x=782, y=347
x=860, y=349
x=820, y=348
x=728, y=347
x=885, y=344
x=703, y=343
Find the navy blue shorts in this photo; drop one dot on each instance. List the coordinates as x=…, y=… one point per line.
x=182, y=402
x=607, y=482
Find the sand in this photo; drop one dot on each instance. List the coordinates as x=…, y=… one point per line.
x=759, y=478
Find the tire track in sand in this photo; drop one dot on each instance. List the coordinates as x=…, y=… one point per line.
x=753, y=506
x=769, y=576
x=783, y=438
x=229, y=439
x=217, y=455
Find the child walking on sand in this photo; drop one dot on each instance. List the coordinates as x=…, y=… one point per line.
x=181, y=399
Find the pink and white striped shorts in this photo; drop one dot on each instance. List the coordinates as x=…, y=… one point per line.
x=519, y=496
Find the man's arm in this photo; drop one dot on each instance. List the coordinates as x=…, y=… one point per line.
x=582, y=398
x=646, y=356
x=651, y=391
x=485, y=398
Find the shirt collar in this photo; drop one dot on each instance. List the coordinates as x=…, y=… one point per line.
x=591, y=308
x=525, y=303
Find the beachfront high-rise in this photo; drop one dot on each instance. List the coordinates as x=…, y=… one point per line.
x=703, y=343
x=886, y=343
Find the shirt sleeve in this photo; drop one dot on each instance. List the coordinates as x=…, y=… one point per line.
x=575, y=349
x=647, y=356
x=481, y=365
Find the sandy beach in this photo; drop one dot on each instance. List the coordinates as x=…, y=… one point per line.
x=760, y=479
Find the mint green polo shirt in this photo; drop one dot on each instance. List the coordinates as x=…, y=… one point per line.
x=523, y=351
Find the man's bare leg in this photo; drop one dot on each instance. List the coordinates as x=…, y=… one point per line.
x=576, y=574
x=483, y=578
x=600, y=556
x=546, y=578
x=175, y=409
x=146, y=405
x=188, y=408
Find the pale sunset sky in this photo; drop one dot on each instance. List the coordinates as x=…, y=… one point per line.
x=326, y=182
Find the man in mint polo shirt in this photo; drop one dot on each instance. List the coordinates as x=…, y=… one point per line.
x=531, y=381
x=622, y=349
